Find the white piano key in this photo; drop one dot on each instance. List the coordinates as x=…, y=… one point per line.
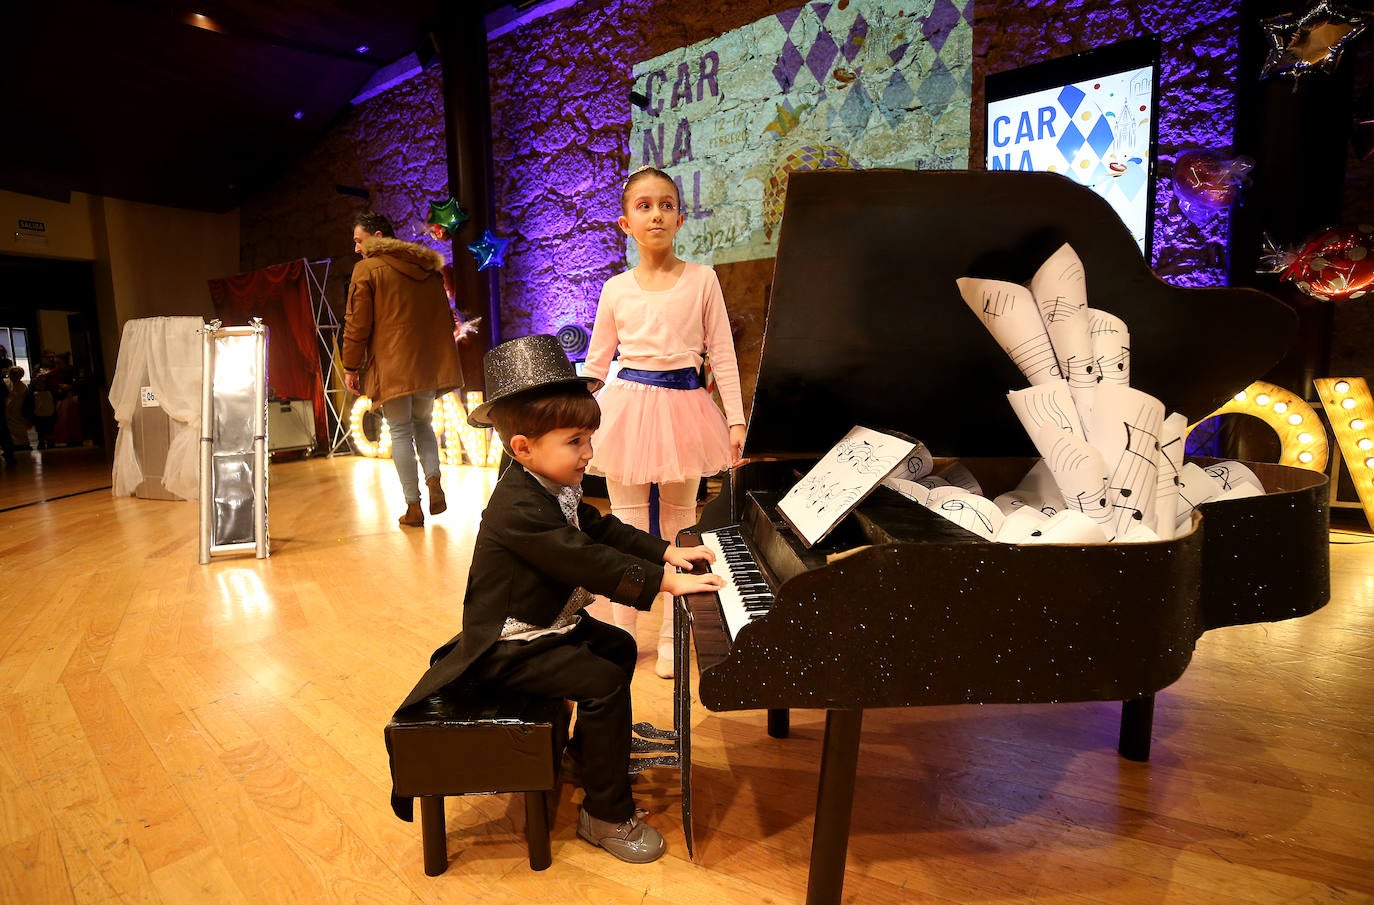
x=746, y=594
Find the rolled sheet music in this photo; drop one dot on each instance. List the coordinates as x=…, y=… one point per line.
x=1073, y=350
x=1136, y=533
x=1125, y=426
x=967, y=510
x=1236, y=480
x=1223, y=481
x=917, y=465
x=1060, y=292
x=918, y=490
x=1167, y=464
x=957, y=473
x=1047, y=405
x=1060, y=285
x=1010, y=314
x=1109, y=455
x=1111, y=346
x=1067, y=527
x=1037, y=490
x=1019, y=523
x=1079, y=471
x=1195, y=487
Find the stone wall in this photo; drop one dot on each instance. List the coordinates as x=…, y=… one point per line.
x=392, y=146
x=560, y=115
x=560, y=118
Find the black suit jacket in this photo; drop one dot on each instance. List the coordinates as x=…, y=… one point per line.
x=526, y=563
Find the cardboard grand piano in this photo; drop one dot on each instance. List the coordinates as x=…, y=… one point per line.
x=866, y=326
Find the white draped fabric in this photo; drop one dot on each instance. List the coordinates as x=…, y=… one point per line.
x=163, y=354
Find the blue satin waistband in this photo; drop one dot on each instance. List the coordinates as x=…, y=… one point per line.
x=679, y=379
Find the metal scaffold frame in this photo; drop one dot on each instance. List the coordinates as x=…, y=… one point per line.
x=327, y=329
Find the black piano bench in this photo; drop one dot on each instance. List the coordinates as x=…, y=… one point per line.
x=471, y=741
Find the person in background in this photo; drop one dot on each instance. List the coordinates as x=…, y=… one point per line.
x=660, y=425
x=70, y=427
x=41, y=408
x=15, y=422
x=6, y=441
x=399, y=350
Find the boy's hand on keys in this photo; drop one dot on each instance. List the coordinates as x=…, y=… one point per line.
x=680, y=583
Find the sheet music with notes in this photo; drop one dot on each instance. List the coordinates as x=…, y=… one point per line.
x=841, y=479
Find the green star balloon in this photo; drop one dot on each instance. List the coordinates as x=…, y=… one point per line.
x=449, y=214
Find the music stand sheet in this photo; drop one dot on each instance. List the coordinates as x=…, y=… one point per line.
x=840, y=481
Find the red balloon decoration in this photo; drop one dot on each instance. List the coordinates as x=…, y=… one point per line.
x=1205, y=183
x=1334, y=265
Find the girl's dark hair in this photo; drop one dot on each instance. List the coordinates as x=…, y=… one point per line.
x=640, y=175
x=536, y=412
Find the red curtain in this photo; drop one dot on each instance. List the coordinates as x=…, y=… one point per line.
x=280, y=295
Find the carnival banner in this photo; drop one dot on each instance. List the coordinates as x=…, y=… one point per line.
x=855, y=83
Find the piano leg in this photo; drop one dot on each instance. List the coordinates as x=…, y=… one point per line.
x=1137, y=722
x=682, y=711
x=834, y=806
x=779, y=723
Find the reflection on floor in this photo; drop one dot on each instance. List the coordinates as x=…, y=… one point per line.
x=176, y=733
x=50, y=474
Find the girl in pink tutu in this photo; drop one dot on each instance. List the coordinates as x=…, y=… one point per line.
x=659, y=424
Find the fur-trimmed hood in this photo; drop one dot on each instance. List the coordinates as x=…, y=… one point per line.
x=398, y=327
x=415, y=261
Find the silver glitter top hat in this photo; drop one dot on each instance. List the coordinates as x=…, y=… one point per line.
x=519, y=365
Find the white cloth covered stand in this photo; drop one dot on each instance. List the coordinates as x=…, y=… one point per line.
x=163, y=354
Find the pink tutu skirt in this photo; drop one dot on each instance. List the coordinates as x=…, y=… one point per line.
x=653, y=435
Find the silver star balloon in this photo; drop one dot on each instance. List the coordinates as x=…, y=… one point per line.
x=1312, y=41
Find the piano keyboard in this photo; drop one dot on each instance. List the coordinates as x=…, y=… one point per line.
x=746, y=594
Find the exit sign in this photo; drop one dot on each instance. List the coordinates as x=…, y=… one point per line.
x=33, y=226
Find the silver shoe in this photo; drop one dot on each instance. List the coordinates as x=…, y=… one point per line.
x=632, y=840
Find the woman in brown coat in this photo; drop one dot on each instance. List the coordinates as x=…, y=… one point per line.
x=398, y=335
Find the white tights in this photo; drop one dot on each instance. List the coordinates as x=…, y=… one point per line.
x=677, y=509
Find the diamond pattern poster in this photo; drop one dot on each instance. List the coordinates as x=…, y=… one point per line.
x=1096, y=132
x=857, y=84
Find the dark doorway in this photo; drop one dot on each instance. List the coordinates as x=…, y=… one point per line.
x=53, y=301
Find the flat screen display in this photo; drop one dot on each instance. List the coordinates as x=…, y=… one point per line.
x=1091, y=117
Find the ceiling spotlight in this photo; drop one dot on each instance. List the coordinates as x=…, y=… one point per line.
x=299, y=114
x=198, y=21
x=362, y=48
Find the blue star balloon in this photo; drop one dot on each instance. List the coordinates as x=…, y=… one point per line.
x=490, y=250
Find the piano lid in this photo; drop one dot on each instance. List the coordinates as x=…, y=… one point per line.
x=866, y=325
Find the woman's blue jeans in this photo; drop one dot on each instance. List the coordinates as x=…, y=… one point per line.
x=412, y=434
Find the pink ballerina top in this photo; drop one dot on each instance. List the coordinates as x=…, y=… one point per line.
x=658, y=423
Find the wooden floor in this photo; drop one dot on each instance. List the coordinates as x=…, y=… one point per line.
x=179, y=733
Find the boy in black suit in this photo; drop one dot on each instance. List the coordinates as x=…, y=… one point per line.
x=540, y=555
